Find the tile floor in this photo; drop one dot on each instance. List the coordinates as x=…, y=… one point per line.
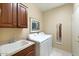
x=59, y=52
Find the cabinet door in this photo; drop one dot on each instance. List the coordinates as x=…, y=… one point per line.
x=0, y=11
x=6, y=13
x=29, y=51
x=22, y=16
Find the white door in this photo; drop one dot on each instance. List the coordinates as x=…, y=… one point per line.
x=75, y=31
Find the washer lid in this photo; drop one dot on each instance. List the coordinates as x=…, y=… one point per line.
x=39, y=38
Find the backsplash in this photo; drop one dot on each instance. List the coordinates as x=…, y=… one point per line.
x=7, y=34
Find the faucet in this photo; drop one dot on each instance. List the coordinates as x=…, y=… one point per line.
x=11, y=40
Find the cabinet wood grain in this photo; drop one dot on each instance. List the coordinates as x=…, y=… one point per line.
x=13, y=15
x=22, y=16
x=29, y=51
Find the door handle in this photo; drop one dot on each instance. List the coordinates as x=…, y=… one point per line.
x=0, y=11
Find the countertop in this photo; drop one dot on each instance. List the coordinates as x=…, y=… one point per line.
x=17, y=50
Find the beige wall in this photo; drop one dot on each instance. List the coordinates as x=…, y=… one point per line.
x=9, y=33
x=34, y=11
x=62, y=14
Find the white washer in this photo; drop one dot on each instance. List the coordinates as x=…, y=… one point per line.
x=43, y=44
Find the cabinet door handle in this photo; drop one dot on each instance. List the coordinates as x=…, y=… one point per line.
x=0, y=11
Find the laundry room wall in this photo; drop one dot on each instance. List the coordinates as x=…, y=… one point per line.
x=63, y=15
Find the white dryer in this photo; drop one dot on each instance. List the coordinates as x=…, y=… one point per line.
x=43, y=43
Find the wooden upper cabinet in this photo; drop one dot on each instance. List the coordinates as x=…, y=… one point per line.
x=22, y=16
x=7, y=15
x=13, y=15
x=0, y=12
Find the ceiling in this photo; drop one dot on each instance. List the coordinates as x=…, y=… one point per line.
x=48, y=6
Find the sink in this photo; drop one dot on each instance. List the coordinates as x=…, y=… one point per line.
x=12, y=48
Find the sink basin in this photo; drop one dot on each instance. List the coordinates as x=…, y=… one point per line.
x=12, y=48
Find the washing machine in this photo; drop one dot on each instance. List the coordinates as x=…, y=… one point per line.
x=43, y=43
